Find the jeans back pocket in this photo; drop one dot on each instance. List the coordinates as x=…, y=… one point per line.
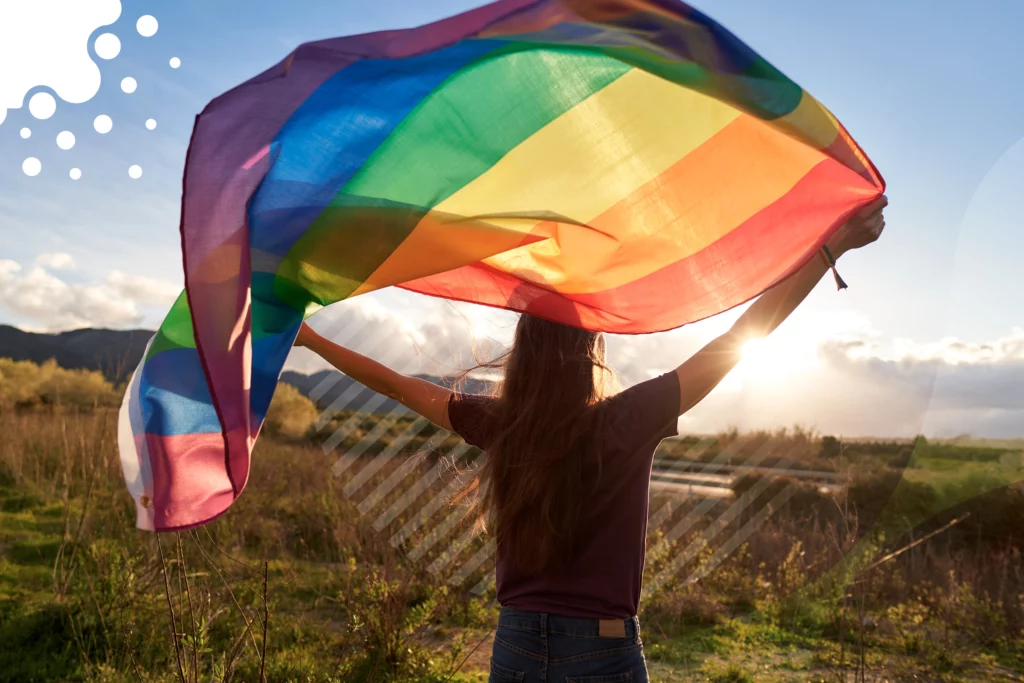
x=501, y=674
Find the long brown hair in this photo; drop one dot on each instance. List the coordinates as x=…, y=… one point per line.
x=533, y=479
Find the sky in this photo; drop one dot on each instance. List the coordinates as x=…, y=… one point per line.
x=929, y=337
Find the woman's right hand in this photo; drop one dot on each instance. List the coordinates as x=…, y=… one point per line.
x=306, y=336
x=861, y=230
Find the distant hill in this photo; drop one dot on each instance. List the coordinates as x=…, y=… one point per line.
x=115, y=353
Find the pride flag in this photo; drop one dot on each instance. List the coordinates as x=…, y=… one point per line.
x=622, y=165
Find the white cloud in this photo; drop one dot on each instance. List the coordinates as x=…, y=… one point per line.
x=945, y=388
x=832, y=371
x=860, y=387
x=50, y=303
x=144, y=289
x=46, y=43
x=46, y=299
x=947, y=374
x=953, y=351
x=430, y=337
x=58, y=260
x=8, y=271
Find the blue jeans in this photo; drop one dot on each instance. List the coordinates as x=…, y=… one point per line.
x=531, y=647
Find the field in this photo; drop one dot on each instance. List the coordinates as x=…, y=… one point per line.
x=912, y=570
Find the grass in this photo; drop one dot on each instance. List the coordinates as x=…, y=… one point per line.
x=301, y=581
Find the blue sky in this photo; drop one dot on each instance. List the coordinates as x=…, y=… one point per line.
x=929, y=88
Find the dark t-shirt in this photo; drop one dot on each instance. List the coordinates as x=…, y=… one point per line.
x=605, y=573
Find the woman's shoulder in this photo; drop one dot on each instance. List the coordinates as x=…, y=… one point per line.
x=470, y=416
x=646, y=409
x=657, y=390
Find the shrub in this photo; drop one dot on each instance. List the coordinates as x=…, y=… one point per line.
x=24, y=384
x=291, y=414
x=831, y=447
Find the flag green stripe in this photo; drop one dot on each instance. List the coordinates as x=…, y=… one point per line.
x=455, y=134
x=176, y=330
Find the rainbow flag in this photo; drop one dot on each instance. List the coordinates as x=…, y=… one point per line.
x=622, y=165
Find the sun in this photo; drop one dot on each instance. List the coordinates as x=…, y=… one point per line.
x=754, y=360
x=751, y=350
x=756, y=354
x=772, y=361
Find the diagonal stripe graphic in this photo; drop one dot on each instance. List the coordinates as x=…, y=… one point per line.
x=741, y=536
x=380, y=336
x=364, y=412
x=475, y=562
x=384, y=424
x=485, y=584
x=417, y=489
x=383, y=458
x=453, y=550
x=352, y=335
x=665, y=511
x=713, y=530
x=691, y=518
x=442, y=529
x=413, y=461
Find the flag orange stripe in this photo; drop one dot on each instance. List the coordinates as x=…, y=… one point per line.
x=450, y=243
x=733, y=175
x=577, y=166
x=731, y=271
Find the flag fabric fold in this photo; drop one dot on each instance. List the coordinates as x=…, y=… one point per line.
x=622, y=165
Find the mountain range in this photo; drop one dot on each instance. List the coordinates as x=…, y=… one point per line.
x=116, y=353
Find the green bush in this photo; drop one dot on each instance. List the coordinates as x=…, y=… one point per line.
x=24, y=384
x=291, y=414
x=831, y=447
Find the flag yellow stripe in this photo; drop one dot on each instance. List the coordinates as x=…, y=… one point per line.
x=583, y=162
x=747, y=167
x=637, y=176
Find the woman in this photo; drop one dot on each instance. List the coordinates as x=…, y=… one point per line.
x=566, y=479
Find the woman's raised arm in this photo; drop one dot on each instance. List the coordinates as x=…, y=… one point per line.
x=709, y=366
x=419, y=395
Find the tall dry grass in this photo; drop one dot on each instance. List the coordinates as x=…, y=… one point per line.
x=296, y=582
x=293, y=582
